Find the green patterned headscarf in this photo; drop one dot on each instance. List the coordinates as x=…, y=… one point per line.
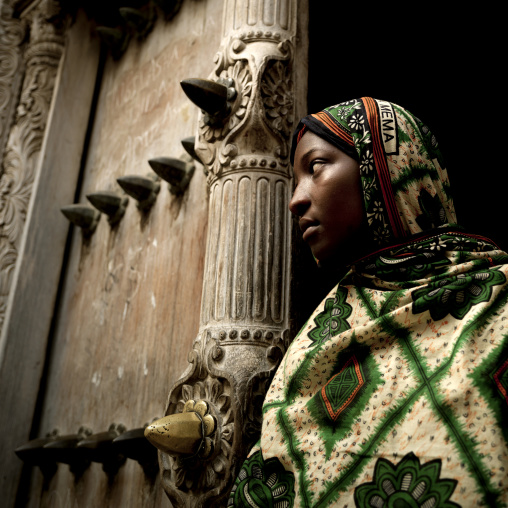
x=404, y=182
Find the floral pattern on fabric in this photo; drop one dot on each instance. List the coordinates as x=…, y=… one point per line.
x=456, y=295
x=433, y=387
x=406, y=485
x=404, y=181
x=411, y=267
x=332, y=320
x=262, y=484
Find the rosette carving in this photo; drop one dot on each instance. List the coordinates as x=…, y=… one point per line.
x=278, y=99
x=216, y=394
x=238, y=76
x=233, y=397
x=193, y=480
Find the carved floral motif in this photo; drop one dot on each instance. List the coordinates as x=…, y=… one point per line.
x=242, y=80
x=196, y=481
x=277, y=95
x=12, y=34
x=263, y=108
x=21, y=156
x=214, y=392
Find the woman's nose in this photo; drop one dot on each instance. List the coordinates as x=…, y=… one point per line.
x=300, y=201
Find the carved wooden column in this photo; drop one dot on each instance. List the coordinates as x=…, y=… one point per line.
x=12, y=34
x=244, y=328
x=42, y=56
x=22, y=355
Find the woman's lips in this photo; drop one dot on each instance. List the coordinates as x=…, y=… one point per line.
x=309, y=231
x=308, y=227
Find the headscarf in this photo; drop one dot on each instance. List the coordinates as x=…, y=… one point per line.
x=405, y=185
x=395, y=391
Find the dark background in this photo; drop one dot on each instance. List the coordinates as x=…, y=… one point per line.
x=444, y=66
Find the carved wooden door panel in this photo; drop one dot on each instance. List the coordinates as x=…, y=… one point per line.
x=129, y=302
x=179, y=289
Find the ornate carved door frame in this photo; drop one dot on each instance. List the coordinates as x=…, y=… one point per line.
x=245, y=322
x=39, y=172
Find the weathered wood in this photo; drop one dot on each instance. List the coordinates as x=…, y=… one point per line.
x=244, y=324
x=130, y=298
x=41, y=58
x=12, y=34
x=35, y=281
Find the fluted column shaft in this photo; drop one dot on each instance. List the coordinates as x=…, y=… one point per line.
x=247, y=258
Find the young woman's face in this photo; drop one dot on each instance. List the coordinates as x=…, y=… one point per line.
x=327, y=199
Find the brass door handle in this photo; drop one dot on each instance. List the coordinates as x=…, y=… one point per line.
x=185, y=433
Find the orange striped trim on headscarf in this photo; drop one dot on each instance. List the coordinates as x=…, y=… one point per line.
x=301, y=133
x=382, y=167
x=331, y=125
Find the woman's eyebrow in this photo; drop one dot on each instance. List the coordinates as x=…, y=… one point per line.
x=308, y=154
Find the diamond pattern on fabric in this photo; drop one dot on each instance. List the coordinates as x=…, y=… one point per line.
x=420, y=419
x=342, y=388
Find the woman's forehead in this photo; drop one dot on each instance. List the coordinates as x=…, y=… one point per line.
x=309, y=145
x=310, y=142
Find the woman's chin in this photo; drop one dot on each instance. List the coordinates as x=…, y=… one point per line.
x=337, y=260
x=328, y=260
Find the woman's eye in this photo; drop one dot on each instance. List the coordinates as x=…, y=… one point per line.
x=314, y=166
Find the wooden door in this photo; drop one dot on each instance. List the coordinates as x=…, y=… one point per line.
x=129, y=300
x=130, y=324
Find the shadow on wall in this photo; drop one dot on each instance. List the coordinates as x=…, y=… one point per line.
x=443, y=71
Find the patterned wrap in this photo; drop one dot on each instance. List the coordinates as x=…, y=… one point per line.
x=405, y=185
x=394, y=392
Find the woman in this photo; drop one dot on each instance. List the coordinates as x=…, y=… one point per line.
x=394, y=392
